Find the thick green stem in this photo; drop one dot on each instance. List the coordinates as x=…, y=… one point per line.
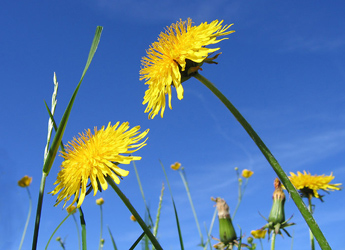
x=39, y=209
x=27, y=219
x=83, y=228
x=273, y=241
x=273, y=162
x=134, y=212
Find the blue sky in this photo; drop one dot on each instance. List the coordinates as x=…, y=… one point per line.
x=283, y=68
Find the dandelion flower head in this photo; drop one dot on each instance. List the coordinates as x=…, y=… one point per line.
x=94, y=156
x=180, y=44
x=309, y=184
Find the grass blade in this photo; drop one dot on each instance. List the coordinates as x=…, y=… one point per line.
x=61, y=129
x=173, y=202
x=112, y=239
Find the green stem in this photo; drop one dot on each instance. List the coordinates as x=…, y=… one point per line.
x=100, y=239
x=262, y=247
x=273, y=162
x=76, y=224
x=184, y=180
x=27, y=219
x=175, y=210
x=310, y=206
x=39, y=209
x=239, y=198
x=134, y=212
x=142, y=193
x=51, y=237
x=273, y=241
x=83, y=228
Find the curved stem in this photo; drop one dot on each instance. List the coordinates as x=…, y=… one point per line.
x=56, y=230
x=134, y=212
x=39, y=209
x=273, y=162
x=27, y=219
x=76, y=224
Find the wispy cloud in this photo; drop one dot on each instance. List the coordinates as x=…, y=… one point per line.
x=314, y=44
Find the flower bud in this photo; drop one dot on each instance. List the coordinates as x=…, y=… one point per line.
x=277, y=214
x=100, y=201
x=247, y=173
x=25, y=181
x=175, y=166
x=227, y=232
x=250, y=240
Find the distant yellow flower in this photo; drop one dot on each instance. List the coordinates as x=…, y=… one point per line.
x=247, y=173
x=259, y=234
x=309, y=184
x=71, y=209
x=175, y=166
x=94, y=157
x=25, y=181
x=179, y=52
x=100, y=201
x=133, y=218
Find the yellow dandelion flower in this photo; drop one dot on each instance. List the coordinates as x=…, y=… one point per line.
x=25, y=181
x=179, y=50
x=100, y=201
x=259, y=234
x=94, y=157
x=247, y=173
x=175, y=166
x=309, y=184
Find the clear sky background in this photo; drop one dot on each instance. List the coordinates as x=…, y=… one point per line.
x=283, y=68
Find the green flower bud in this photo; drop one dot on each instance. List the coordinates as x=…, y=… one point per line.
x=277, y=214
x=227, y=232
x=250, y=240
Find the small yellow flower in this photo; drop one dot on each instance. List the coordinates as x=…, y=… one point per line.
x=71, y=209
x=25, y=181
x=309, y=184
x=100, y=201
x=133, y=218
x=175, y=166
x=179, y=52
x=247, y=173
x=259, y=234
x=92, y=157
